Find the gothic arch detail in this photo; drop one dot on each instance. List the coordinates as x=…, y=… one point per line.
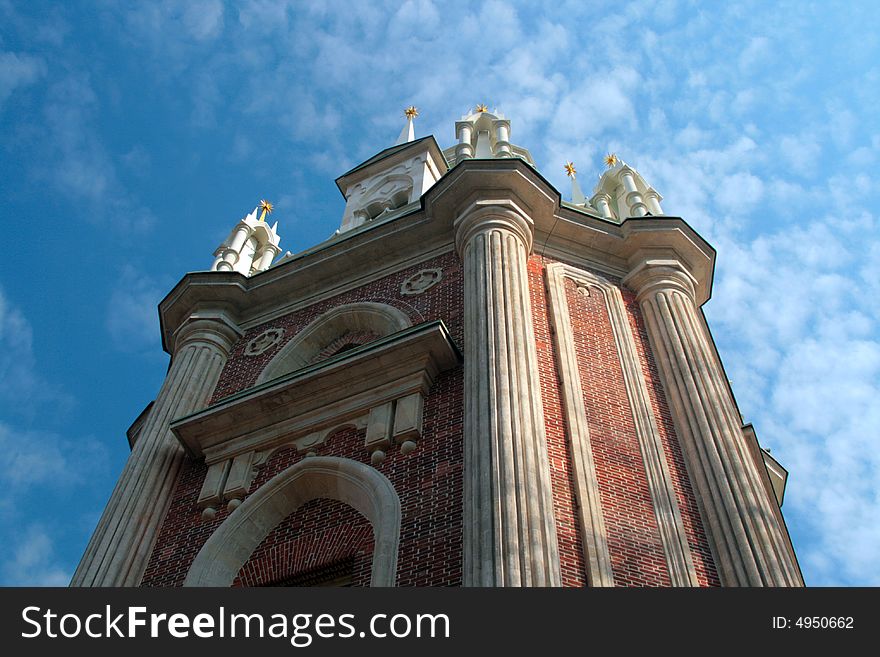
x=378, y=319
x=364, y=488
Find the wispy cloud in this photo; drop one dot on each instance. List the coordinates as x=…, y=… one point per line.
x=132, y=315
x=18, y=70
x=31, y=560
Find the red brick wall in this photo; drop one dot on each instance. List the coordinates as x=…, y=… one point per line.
x=428, y=480
x=320, y=533
x=443, y=301
x=568, y=529
x=634, y=542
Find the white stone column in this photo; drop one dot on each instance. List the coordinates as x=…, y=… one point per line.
x=464, y=150
x=602, y=202
x=502, y=138
x=652, y=198
x=268, y=255
x=748, y=542
x=509, y=526
x=120, y=547
x=232, y=252
x=637, y=208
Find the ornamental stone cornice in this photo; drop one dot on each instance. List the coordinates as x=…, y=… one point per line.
x=321, y=395
x=381, y=247
x=487, y=214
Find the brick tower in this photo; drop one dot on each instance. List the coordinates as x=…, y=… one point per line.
x=473, y=382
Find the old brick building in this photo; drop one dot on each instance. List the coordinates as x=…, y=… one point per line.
x=472, y=383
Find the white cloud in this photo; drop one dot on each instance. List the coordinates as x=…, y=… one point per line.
x=31, y=561
x=755, y=54
x=799, y=340
x=24, y=390
x=600, y=102
x=18, y=70
x=77, y=162
x=801, y=153
x=132, y=315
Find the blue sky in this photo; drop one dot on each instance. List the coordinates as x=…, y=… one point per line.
x=134, y=136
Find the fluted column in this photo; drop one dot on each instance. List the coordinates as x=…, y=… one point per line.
x=748, y=541
x=509, y=527
x=120, y=547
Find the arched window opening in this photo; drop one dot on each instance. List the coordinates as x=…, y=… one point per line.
x=355, y=484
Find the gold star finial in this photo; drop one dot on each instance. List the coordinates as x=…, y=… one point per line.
x=611, y=160
x=411, y=112
x=266, y=207
x=482, y=107
x=570, y=171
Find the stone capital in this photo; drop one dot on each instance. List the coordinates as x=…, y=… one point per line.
x=484, y=215
x=654, y=272
x=214, y=328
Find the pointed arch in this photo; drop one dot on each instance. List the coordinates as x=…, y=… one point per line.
x=379, y=319
x=360, y=486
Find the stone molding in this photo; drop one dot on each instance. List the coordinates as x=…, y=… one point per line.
x=379, y=318
x=421, y=281
x=651, y=273
x=489, y=214
x=509, y=524
x=381, y=384
x=664, y=501
x=749, y=542
x=364, y=488
x=264, y=342
x=217, y=329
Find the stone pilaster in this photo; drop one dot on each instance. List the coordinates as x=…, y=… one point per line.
x=750, y=546
x=509, y=527
x=120, y=547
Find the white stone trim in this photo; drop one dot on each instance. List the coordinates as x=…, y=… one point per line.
x=320, y=396
x=364, y=488
x=380, y=318
x=666, y=510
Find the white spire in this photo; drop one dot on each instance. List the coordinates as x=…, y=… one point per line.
x=408, y=133
x=577, y=196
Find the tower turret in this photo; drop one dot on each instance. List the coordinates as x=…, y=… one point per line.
x=391, y=179
x=484, y=135
x=622, y=192
x=251, y=246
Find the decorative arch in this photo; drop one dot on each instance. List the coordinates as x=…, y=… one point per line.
x=364, y=488
x=379, y=319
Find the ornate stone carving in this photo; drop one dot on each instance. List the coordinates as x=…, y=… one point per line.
x=264, y=341
x=421, y=281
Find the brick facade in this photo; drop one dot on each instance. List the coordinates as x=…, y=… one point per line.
x=429, y=480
